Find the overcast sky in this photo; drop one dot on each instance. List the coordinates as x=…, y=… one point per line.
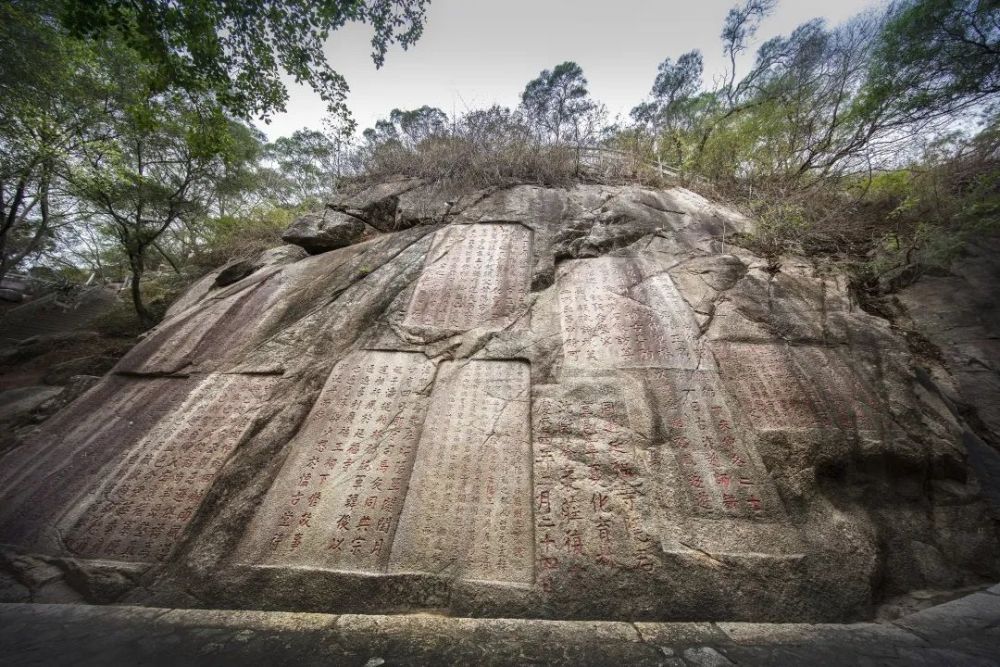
x=475, y=53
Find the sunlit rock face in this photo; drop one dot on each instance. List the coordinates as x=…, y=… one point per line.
x=582, y=403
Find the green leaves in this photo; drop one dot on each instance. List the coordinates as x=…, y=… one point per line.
x=935, y=57
x=236, y=50
x=557, y=100
x=303, y=167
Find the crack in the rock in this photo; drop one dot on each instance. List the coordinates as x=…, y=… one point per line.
x=354, y=281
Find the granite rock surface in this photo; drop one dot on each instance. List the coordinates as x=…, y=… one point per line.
x=324, y=231
x=583, y=403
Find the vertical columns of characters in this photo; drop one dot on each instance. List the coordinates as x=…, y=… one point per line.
x=372, y=485
x=156, y=490
x=336, y=501
x=474, y=275
x=468, y=512
x=716, y=474
x=60, y=467
x=618, y=312
x=775, y=386
x=590, y=487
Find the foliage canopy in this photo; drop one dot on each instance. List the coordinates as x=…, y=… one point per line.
x=236, y=50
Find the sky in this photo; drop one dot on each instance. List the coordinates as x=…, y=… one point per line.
x=475, y=53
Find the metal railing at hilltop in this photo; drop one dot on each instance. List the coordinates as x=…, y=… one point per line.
x=604, y=159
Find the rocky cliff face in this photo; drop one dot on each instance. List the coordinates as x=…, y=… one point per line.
x=582, y=403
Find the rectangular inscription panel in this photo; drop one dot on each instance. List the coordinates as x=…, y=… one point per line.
x=154, y=492
x=336, y=500
x=591, y=495
x=474, y=274
x=620, y=312
x=803, y=387
x=68, y=456
x=716, y=494
x=468, y=511
x=715, y=473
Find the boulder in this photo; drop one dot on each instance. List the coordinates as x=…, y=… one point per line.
x=325, y=231
x=279, y=256
x=12, y=295
x=377, y=204
x=570, y=403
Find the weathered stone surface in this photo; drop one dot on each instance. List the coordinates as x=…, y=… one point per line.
x=324, y=231
x=959, y=313
x=56, y=314
x=337, y=500
x=467, y=511
x=475, y=275
x=123, y=484
x=20, y=401
x=43, y=634
x=617, y=313
x=231, y=273
x=234, y=272
x=563, y=404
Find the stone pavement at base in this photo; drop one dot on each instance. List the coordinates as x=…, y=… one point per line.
x=962, y=632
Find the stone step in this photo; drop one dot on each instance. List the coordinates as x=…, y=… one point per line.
x=961, y=632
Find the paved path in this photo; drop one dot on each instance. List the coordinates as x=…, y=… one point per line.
x=962, y=632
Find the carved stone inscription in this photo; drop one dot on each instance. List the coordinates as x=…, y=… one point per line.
x=715, y=474
x=803, y=387
x=590, y=495
x=157, y=487
x=66, y=458
x=468, y=512
x=617, y=312
x=474, y=274
x=336, y=500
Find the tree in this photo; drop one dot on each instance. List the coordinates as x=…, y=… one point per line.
x=795, y=116
x=677, y=82
x=419, y=124
x=739, y=27
x=236, y=52
x=674, y=85
x=557, y=100
x=935, y=57
x=384, y=132
x=49, y=90
x=305, y=167
x=236, y=183
x=673, y=88
x=408, y=127
x=151, y=164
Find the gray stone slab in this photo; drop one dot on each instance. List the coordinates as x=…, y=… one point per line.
x=779, y=387
x=336, y=501
x=20, y=401
x=468, y=511
x=32, y=634
x=622, y=312
x=475, y=275
x=123, y=482
x=951, y=620
x=870, y=635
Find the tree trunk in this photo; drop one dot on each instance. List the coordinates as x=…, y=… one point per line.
x=137, y=263
x=9, y=219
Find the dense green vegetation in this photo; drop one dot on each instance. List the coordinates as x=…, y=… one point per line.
x=127, y=149
x=875, y=140
x=123, y=126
